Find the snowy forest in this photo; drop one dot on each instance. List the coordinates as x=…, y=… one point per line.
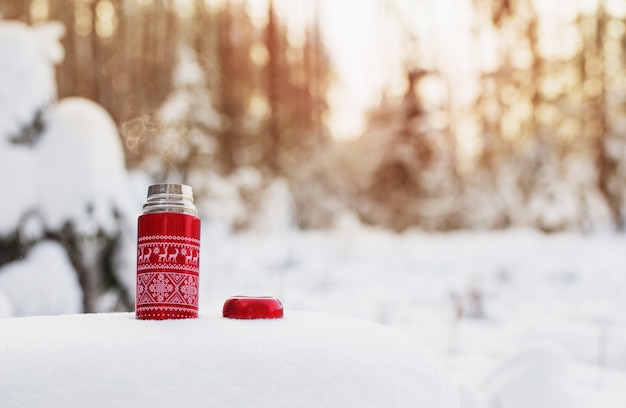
x=531, y=135
x=476, y=202
x=234, y=100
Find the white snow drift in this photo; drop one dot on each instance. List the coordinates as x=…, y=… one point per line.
x=303, y=360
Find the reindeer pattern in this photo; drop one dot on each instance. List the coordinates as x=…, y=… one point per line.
x=151, y=253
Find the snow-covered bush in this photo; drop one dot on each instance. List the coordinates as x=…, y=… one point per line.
x=536, y=376
x=27, y=84
x=63, y=177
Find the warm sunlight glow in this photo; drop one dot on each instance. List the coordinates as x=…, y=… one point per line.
x=214, y=4
x=547, y=114
x=522, y=57
x=616, y=8
x=561, y=42
x=39, y=10
x=593, y=87
x=106, y=21
x=551, y=88
x=185, y=8
x=567, y=130
x=469, y=142
x=371, y=46
x=259, y=54
x=510, y=126
x=83, y=20
x=616, y=29
x=258, y=106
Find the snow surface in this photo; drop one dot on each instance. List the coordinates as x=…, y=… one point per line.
x=542, y=368
x=561, y=291
x=42, y=283
x=302, y=360
x=552, y=304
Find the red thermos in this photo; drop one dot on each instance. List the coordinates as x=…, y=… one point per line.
x=168, y=254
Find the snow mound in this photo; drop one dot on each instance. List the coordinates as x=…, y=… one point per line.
x=87, y=185
x=302, y=360
x=536, y=376
x=46, y=278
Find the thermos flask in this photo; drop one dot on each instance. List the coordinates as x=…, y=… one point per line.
x=168, y=254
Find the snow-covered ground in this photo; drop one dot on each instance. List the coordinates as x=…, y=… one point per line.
x=520, y=319
x=302, y=360
x=550, y=304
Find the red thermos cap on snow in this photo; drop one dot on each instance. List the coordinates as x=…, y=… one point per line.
x=249, y=307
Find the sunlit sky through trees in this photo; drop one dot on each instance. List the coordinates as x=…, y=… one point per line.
x=373, y=43
x=370, y=41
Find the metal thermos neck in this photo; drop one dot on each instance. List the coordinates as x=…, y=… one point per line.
x=170, y=198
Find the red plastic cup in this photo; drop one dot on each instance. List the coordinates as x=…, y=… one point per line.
x=249, y=307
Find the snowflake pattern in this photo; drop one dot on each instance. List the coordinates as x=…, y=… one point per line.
x=189, y=290
x=161, y=287
x=140, y=288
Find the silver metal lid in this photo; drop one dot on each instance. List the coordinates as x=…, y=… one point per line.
x=170, y=198
x=170, y=189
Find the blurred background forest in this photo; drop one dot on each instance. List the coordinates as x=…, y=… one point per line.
x=452, y=168
x=529, y=129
